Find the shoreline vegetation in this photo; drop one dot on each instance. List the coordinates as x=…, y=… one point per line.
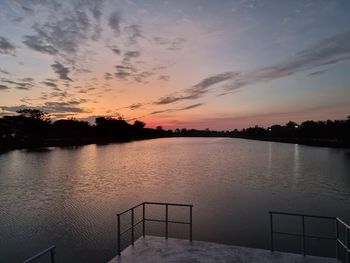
x=32, y=128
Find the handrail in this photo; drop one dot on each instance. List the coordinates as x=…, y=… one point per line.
x=342, y=222
x=49, y=249
x=303, y=235
x=346, y=245
x=154, y=203
x=170, y=204
x=134, y=207
x=298, y=214
x=144, y=220
x=335, y=238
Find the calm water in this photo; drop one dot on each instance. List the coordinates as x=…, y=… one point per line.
x=69, y=196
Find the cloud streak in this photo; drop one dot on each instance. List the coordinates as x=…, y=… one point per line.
x=61, y=71
x=178, y=109
x=169, y=110
x=22, y=84
x=5, y=72
x=326, y=52
x=3, y=87
x=70, y=107
x=197, y=91
x=170, y=44
x=38, y=44
x=6, y=47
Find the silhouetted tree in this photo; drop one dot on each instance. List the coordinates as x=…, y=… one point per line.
x=113, y=128
x=70, y=128
x=34, y=114
x=139, y=124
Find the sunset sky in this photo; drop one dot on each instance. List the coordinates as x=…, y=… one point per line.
x=182, y=63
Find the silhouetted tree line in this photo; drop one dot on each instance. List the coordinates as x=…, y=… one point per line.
x=33, y=128
x=322, y=133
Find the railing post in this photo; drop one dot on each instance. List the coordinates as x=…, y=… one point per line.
x=143, y=220
x=166, y=220
x=118, y=216
x=347, y=244
x=52, y=255
x=132, y=226
x=191, y=223
x=271, y=232
x=303, y=226
x=336, y=240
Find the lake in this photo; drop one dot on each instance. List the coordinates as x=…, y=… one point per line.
x=70, y=196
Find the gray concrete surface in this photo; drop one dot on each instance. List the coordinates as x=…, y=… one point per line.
x=153, y=249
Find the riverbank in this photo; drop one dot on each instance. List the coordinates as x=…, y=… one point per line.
x=70, y=142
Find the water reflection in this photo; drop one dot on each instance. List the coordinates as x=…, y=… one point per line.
x=269, y=159
x=296, y=162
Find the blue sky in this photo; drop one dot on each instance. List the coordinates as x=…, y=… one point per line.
x=201, y=64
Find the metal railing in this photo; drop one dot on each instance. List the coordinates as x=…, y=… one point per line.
x=336, y=238
x=343, y=243
x=133, y=224
x=50, y=250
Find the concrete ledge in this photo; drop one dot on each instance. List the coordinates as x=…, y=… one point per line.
x=153, y=249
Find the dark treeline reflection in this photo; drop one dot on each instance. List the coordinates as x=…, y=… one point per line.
x=33, y=128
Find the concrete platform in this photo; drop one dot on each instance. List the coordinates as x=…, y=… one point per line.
x=153, y=249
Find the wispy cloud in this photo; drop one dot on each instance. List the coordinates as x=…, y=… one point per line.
x=169, y=110
x=108, y=76
x=135, y=106
x=114, y=22
x=170, y=44
x=129, y=70
x=61, y=71
x=62, y=107
x=316, y=73
x=6, y=47
x=49, y=84
x=5, y=72
x=3, y=87
x=178, y=109
x=134, y=32
x=131, y=54
x=164, y=77
x=38, y=44
x=177, y=44
x=21, y=84
x=198, y=90
x=328, y=51
x=53, y=107
x=116, y=51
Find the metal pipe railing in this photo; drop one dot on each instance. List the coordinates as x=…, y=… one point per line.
x=144, y=220
x=346, y=243
x=50, y=250
x=338, y=242
x=303, y=234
